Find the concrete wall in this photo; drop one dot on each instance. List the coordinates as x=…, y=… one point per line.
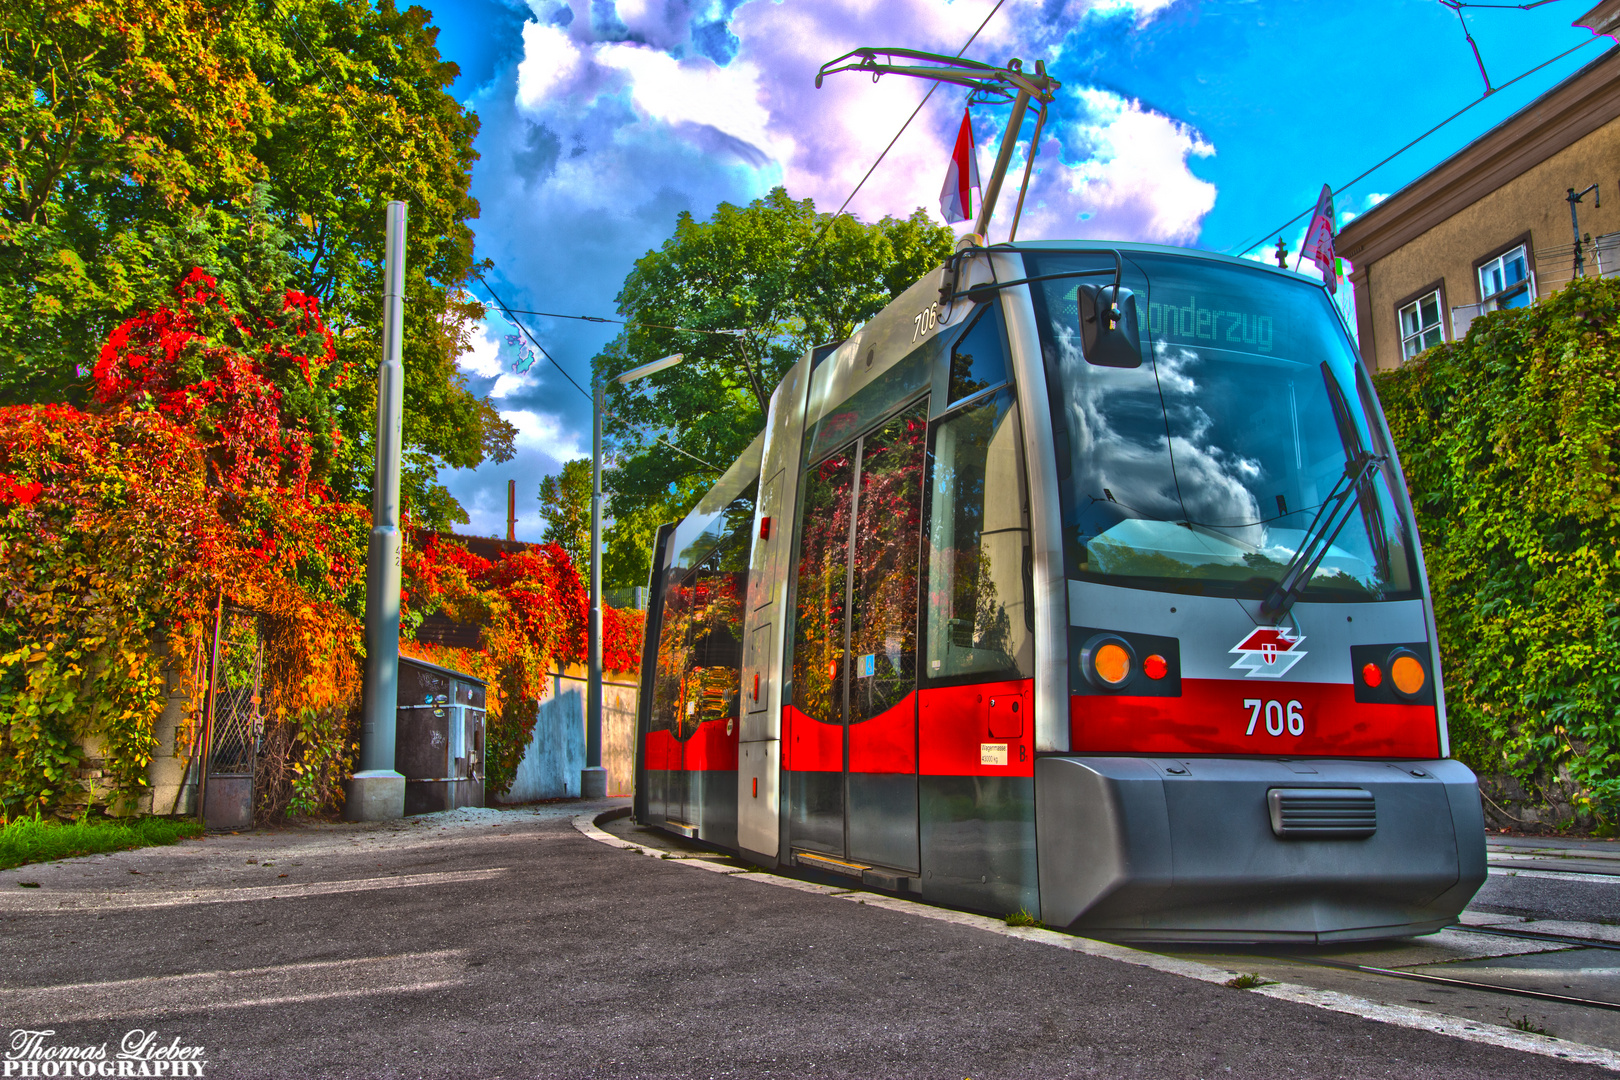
x=551, y=765
x=620, y=693
x=170, y=758
x=1532, y=203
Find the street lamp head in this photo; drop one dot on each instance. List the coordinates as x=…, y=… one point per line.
x=647, y=369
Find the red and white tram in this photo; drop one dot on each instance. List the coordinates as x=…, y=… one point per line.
x=1081, y=580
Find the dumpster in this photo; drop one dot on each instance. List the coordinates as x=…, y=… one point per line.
x=439, y=746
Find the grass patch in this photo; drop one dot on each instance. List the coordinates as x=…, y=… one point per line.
x=1022, y=918
x=1524, y=1023
x=1247, y=982
x=27, y=840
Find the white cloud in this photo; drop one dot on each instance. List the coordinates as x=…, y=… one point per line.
x=1145, y=9
x=697, y=91
x=483, y=358
x=1132, y=184
x=550, y=60
x=544, y=432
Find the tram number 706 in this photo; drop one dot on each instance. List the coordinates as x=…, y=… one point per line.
x=1278, y=717
x=925, y=322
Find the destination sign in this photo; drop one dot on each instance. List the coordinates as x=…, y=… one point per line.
x=1247, y=331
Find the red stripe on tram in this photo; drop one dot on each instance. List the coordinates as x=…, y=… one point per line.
x=808, y=745
x=1251, y=716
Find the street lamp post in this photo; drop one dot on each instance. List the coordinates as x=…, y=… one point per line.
x=593, y=780
x=377, y=790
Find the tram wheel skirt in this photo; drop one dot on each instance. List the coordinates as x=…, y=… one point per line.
x=1151, y=849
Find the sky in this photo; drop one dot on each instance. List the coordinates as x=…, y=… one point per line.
x=1201, y=124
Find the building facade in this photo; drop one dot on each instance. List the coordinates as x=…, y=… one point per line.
x=1490, y=227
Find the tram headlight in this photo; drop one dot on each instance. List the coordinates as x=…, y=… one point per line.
x=1407, y=674
x=1108, y=661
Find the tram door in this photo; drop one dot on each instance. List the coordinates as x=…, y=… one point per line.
x=851, y=728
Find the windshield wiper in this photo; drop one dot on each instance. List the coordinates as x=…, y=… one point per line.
x=1325, y=527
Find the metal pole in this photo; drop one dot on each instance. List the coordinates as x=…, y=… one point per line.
x=377, y=791
x=1009, y=142
x=208, y=715
x=1029, y=163
x=1575, y=223
x=593, y=781
x=1575, y=227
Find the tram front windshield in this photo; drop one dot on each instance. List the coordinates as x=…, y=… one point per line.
x=1203, y=470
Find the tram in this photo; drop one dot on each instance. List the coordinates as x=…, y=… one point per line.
x=1082, y=580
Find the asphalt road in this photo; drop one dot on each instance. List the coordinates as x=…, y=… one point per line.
x=1538, y=894
x=506, y=944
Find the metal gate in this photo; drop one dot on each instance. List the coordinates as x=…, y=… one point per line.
x=234, y=725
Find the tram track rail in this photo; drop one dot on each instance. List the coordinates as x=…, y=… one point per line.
x=1533, y=935
x=1447, y=980
x=1572, y=943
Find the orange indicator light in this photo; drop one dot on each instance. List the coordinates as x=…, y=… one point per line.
x=1406, y=671
x=1112, y=663
x=1372, y=674
x=1155, y=667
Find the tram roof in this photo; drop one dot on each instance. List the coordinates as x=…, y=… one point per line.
x=1155, y=249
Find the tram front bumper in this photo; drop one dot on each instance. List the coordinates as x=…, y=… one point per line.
x=1200, y=849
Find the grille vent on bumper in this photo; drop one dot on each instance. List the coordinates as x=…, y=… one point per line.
x=1322, y=813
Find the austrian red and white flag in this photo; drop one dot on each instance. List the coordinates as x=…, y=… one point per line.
x=1319, y=240
x=956, y=198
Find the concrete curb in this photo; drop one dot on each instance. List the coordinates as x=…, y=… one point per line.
x=1333, y=1001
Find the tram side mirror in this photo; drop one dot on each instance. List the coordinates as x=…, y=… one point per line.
x=1108, y=328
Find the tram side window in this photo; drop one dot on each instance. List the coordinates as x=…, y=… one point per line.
x=979, y=361
x=821, y=588
x=708, y=685
x=978, y=616
x=883, y=585
x=699, y=673
x=673, y=653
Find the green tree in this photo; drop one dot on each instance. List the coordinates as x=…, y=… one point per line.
x=775, y=269
x=125, y=120
x=565, y=505
x=144, y=137
x=1510, y=442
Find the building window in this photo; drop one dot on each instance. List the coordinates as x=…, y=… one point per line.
x=1506, y=282
x=1420, y=325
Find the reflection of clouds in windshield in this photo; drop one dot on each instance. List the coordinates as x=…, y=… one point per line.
x=1117, y=414
x=1214, y=481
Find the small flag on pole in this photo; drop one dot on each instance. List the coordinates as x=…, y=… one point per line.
x=956, y=198
x=1319, y=240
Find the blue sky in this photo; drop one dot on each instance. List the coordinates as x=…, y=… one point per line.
x=1206, y=124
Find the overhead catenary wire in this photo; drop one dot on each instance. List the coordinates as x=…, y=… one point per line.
x=628, y=322
x=1356, y=180
x=526, y=333
x=694, y=457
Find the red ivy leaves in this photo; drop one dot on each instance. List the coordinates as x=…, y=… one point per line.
x=534, y=605
x=15, y=492
x=253, y=388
